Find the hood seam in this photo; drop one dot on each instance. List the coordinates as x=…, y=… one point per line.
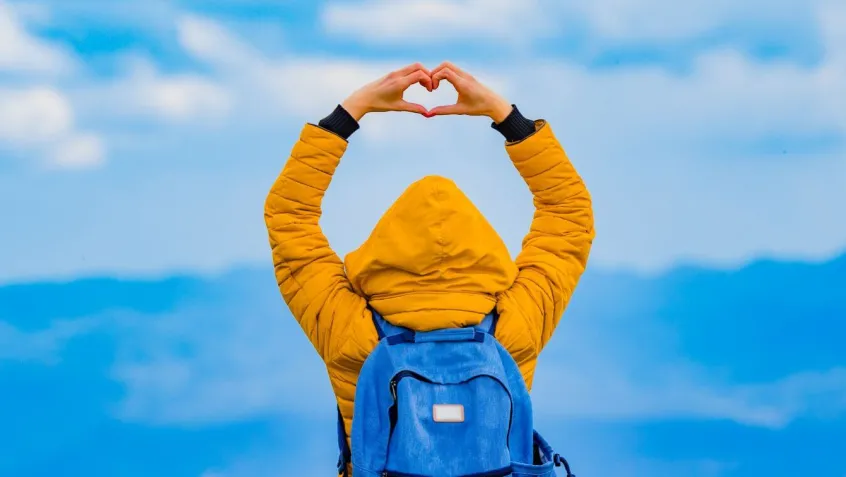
x=442, y=255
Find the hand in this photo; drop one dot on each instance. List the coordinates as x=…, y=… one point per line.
x=385, y=94
x=474, y=98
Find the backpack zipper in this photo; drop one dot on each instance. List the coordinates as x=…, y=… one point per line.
x=406, y=373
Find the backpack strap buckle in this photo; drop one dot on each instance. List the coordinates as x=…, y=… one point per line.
x=561, y=461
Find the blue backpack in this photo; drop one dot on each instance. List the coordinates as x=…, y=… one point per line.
x=443, y=403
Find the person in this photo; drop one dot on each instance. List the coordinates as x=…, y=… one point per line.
x=432, y=261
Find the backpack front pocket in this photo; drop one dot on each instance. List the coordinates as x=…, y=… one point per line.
x=449, y=429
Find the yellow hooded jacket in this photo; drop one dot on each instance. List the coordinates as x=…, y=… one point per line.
x=432, y=261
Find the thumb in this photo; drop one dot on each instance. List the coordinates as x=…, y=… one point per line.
x=404, y=105
x=448, y=109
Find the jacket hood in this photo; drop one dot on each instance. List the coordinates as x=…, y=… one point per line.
x=433, y=261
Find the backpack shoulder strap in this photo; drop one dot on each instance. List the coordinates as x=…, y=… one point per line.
x=345, y=456
x=383, y=329
x=387, y=330
x=488, y=324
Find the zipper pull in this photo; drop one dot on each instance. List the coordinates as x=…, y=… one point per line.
x=394, y=390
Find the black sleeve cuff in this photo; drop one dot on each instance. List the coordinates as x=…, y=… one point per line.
x=340, y=122
x=515, y=127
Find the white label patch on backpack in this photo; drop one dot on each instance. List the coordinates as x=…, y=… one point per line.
x=448, y=413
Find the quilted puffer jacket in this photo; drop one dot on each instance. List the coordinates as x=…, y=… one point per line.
x=432, y=261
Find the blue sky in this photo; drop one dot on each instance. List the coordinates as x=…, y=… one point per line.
x=138, y=141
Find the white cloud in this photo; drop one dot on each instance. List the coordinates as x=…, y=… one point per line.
x=299, y=85
x=184, y=97
x=22, y=52
x=675, y=166
x=294, y=84
x=659, y=20
x=678, y=390
x=79, y=151
x=597, y=369
x=436, y=21
x=831, y=16
x=42, y=346
x=40, y=120
x=210, y=41
x=177, y=97
x=176, y=372
x=244, y=376
x=442, y=21
x=34, y=115
x=674, y=161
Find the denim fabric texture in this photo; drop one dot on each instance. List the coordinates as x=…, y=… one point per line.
x=406, y=378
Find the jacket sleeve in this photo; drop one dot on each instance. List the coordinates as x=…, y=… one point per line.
x=309, y=274
x=556, y=249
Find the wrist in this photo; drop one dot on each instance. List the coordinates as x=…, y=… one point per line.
x=340, y=122
x=500, y=110
x=354, y=108
x=515, y=127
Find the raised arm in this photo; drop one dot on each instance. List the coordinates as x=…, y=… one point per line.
x=556, y=249
x=555, y=252
x=309, y=273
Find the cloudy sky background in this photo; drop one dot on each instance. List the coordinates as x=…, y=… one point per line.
x=138, y=141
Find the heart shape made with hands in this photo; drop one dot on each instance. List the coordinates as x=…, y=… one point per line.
x=442, y=95
x=463, y=89
x=388, y=94
x=473, y=98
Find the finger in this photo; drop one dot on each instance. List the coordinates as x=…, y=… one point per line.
x=450, y=65
x=447, y=110
x=410, y=69
x=404, y=105
x=446, y=74
x=419, y=76
x=436, y=81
